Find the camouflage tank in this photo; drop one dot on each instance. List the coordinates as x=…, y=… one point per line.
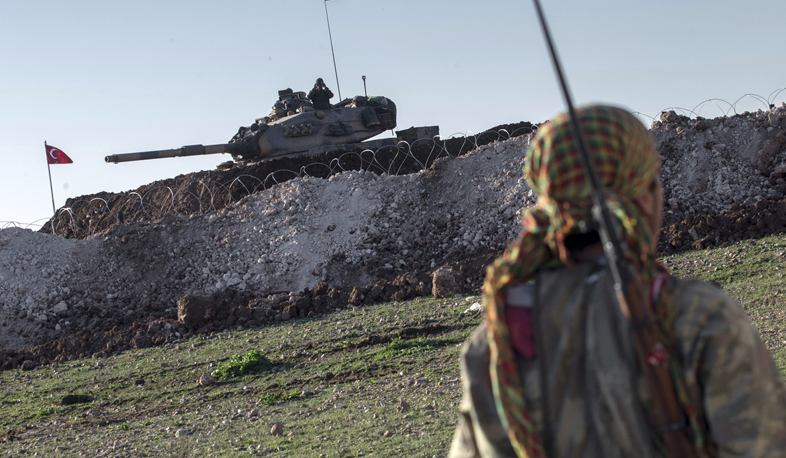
x=294, y=128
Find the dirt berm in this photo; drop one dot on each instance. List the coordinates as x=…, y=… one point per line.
x=309, y=245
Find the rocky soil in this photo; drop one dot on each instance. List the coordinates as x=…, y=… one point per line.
x=213, y=190
x=310, y=245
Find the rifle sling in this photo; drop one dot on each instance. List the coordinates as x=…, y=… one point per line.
x=658, y=377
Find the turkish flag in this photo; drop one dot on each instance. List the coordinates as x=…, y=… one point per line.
x=56, y=156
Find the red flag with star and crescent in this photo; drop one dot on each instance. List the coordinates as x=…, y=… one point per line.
x=56, y=156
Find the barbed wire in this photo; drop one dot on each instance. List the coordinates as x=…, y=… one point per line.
x=139, y=207
x=92, y=215
x=728, y=108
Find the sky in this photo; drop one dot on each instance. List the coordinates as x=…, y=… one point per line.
x=95, y=78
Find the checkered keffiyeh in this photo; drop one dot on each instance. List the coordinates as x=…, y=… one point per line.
x=627, y=163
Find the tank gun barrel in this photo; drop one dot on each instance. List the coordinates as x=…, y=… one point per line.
x=294, y=129
x=190, y=150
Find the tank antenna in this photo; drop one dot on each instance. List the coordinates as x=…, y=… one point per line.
x=364, y=86
x=338, y=86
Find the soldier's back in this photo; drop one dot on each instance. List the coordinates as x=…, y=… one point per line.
x=598, y=402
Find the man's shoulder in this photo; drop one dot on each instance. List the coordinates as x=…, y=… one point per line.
x=705, y=311
x=700, y=297
x=477, y=346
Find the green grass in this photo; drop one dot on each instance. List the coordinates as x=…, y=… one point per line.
x=401, y=347
x=252, y=362
x=270, y=399
x=332, y=383
x=71, y=399
x=752, y=272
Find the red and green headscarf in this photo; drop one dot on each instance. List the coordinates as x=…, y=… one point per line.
x=627, y=163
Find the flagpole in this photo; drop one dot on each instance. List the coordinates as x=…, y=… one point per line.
x=51, y=189
x=338, y=86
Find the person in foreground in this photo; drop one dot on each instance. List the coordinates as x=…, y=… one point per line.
x=552, y=371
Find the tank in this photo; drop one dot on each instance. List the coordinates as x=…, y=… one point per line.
x=294, y=127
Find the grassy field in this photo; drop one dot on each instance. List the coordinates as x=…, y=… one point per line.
x=752, y=271
x=378, y=381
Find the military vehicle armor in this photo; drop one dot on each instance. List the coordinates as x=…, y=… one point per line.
x=295, y=128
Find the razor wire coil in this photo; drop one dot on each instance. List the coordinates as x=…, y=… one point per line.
x=138, y=206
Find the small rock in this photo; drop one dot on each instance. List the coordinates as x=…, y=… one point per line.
x=668, y=116
x=340, y=405
x=93, y=413
x=252, y=413
x=206, y=379
x=276, y=430
x=61, y=308
x=402, y=406
x=446, y=282
x=182, y=432
x=387, y=434
x=774, y=119
x=193, y=310
x=356, y=296
x=28, y=365
x=476, y=307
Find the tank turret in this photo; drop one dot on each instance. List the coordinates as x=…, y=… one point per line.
x=293, y=128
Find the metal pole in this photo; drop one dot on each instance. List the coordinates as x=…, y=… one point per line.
x=630, y=296
x=51, y=189
x=338, y=86
x=364, y=86
x=613, y=247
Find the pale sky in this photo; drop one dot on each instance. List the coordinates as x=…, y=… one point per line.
x=105, y=77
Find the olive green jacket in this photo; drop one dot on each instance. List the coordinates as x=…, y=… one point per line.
x=599, y=403
x=320, y=98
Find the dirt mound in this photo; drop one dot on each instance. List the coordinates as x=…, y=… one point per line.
x=739, y=222
x=370, y=237
x=724, y=179
x=212, y=190
x=228, y=309
x=218, y=250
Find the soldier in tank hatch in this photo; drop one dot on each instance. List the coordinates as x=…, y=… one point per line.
x=320, y=95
